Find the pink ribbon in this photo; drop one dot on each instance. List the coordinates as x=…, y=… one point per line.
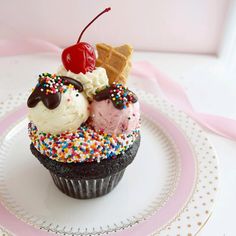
x=176, y=95
x=26, y=46
x=149, y=79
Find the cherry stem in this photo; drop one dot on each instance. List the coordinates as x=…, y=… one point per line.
x=106, y=10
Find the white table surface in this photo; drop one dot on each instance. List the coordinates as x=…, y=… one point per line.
x=208, y=87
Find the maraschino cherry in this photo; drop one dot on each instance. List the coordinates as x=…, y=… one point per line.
x=81, y=57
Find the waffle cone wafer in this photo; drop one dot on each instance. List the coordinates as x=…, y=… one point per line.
x=116, y=62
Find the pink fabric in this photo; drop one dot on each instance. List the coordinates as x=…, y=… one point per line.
x=150, y=79
x=27, y=46
x=175, y=94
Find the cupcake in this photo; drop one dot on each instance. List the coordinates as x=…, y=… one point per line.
x=84, y=122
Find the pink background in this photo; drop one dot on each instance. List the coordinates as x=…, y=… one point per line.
x=159, y=25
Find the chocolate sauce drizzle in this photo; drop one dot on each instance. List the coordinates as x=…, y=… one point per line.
x=50, y=100
x=120, y=96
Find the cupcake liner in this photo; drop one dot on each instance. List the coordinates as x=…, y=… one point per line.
x=87, y=188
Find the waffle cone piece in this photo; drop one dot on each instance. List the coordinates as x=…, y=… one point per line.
x=116, y=62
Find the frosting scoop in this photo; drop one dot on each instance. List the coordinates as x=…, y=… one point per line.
x=115, y=110
x=57, y=104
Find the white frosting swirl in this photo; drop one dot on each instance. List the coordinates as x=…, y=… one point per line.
x=92, y=81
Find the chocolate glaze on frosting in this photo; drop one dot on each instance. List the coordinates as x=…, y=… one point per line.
x=50, y=100
x=120, y=96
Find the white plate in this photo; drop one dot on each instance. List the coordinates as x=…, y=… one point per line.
x=168, y=190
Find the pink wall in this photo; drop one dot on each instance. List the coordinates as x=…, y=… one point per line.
x=163, y=25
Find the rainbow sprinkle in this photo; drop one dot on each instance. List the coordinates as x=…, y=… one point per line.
x=85, y=145
x=52, y=84
x=121, y=96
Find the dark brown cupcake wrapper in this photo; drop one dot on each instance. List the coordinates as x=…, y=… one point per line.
x=87, y=188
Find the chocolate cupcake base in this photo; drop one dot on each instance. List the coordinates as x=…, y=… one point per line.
x=88, y=179
x=89, y=188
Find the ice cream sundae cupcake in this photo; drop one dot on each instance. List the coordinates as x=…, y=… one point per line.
x=84, y=122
